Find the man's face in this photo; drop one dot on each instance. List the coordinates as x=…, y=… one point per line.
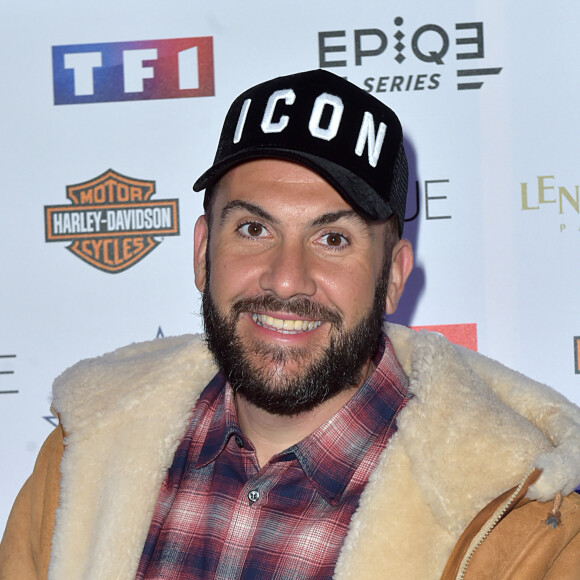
x=293, y=283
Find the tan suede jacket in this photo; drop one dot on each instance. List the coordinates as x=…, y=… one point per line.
x=467, y=488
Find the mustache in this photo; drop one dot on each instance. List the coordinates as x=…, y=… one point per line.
x=303, y=307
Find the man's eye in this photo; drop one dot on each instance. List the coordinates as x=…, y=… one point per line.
x=252, y=229
x=334, y=240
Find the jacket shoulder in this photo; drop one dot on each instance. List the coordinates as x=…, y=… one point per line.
x=445, y=375
x=137, y=373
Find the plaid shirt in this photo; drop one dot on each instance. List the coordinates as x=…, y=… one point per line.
x=219, y=515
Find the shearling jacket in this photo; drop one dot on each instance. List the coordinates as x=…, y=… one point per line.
x=479, y=460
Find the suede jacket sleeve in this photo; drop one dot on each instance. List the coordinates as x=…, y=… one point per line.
x=529, y=540
x=25, y=547
x=525, y=546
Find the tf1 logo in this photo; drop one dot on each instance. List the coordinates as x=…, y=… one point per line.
x=133, y=71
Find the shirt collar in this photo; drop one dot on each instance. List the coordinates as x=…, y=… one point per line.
x=224, y=424
x=330, y=455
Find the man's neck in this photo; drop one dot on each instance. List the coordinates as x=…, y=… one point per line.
x=271, y=434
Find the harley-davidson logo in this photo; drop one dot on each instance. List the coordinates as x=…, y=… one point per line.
x=112, y=220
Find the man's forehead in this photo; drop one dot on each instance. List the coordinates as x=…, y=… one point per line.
x=269, y=179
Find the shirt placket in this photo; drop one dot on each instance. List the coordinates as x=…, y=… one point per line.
x=245, y=520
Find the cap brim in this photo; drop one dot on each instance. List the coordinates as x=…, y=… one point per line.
x=354, y=190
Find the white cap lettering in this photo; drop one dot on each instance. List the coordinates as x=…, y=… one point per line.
x=289, y=97
x=367, y=136
x=316, y=115
x=242, y=120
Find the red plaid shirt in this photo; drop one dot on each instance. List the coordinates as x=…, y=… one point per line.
x=218, y=515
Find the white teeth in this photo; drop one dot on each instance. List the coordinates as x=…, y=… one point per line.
x=286, y=326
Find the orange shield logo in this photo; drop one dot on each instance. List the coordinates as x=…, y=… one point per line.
x=112, y=221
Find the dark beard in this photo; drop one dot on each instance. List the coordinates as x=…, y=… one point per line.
x=333, y=369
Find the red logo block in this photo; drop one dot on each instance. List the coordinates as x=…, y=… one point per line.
x=462, y=334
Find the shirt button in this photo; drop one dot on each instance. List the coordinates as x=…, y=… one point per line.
x=254, y=495
x=239, y=441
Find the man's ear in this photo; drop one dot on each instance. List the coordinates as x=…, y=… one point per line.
x=401, y=267
x=200, y=239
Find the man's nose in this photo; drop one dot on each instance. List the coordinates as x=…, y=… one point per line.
x=288, y=271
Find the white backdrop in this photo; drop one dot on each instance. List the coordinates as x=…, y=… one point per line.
x=494, y=208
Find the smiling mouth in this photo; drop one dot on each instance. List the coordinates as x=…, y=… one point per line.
x=285, y=326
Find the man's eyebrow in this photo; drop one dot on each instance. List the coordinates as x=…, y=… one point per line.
x=249, y=207
x=322, y=220
x=334, y=216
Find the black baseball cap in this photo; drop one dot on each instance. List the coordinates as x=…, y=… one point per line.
x=326, y=123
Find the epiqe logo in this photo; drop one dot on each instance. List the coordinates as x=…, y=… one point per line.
x=133, y=71
x=410, y=58
x=577, y=355
x=112, y=221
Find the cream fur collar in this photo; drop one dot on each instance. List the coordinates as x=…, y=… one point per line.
x=471, y=431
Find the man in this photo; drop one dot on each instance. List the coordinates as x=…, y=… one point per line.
x=327, y=445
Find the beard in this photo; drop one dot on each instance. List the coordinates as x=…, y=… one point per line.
x=325, y=371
